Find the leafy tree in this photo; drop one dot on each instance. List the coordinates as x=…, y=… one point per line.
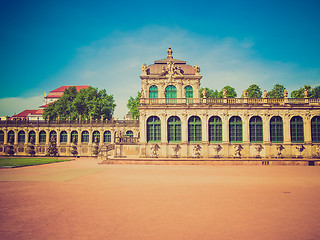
x=315, y=92
x=133, y=104
x=276, y=92
x=210, y=93
x=300, y=92
x=89, y=103
x=254, y=91
x=231, y=93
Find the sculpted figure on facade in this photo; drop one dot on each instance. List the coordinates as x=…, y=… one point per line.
x=279, y=151
x=318, y=151
x=224, y=93
x=204, y=93
x=155, y=150
x=285, y=93
x=245, y=93
x=176, y=150
x=265, y=94
x=258, y=148
x=142, y=93
x=144, y=69
x=300, y=149
x=217, y=149
x=196, y=150
x=306, y=93
x=197, y=68
x=237, y=150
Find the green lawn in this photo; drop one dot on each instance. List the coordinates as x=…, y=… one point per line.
x=19, y=162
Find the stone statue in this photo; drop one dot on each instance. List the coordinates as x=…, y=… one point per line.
x=306, y=93
x=144, y=69
x=279, y=151
x=155, y=150
x=245, y=93
x=237, y=150
x=318, y=151
x=142, y=93
x=164, y=71
x=265, y=94
x=285, y=93
x=197, y=150
x=204, y=93
x=224, y=93
x=197, y=68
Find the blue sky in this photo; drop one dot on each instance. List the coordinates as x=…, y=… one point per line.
x=47, y=44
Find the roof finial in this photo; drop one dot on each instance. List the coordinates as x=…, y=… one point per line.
x=170, y=53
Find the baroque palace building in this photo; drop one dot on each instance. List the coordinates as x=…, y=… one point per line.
x=175, y=122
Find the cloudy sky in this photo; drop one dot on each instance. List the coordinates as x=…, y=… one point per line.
x=47, y=44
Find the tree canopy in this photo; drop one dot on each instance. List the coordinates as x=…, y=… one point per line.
x=276, y=92
x=133, y=104
x=231, y=93
x=300, y=92
x=254, y=91
x=87, y=103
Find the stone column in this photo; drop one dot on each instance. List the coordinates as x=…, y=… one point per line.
x=184, y=128
x=225, y=129
x=5, y=136
x=163, y=119
x=26, y=132
x=286, y=129
x=245, y=128
x=204, y=122
x=37, y=137
x=47, y=136
x=58, y=137
x=143, y=130
x=307, y=129
x=266, y=129
x=15, y=137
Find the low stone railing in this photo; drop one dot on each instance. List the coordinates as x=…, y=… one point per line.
x=231, y=101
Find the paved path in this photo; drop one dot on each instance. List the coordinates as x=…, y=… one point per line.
x=83, y=200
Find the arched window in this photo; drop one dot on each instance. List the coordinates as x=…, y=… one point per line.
x=315, y=129
x=21, y=136
x=256, y=132
x=53, y=134
x=171, y=92
x=188, y=92
x=85, y=136
x=296, y=129
x=235, y=129
x=129, y=133
x=215, y=129
x=153, y=92
x=153, y=129
x=42, y=136
x=63, y=137
x=11, y=136
x=96, y=134
x=1, y=136
x=32, y=135
x=194, y=129
x=174, y=129
x=107, y=136
x=276, y=129
x=74, y=135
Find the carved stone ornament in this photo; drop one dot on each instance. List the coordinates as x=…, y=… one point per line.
x=197, y=68
x=197, y=150
x=245, y=93
x=265, y=94
x=144, y=69
x=237, y=150
x=300, y=149
x=258, y=148
x=155, y=150
x=217, y=149
x=176, y=149
x=285, y=93
x=279, y=151
x=171, y=71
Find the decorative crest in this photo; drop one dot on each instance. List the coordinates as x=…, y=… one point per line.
x=170, y=53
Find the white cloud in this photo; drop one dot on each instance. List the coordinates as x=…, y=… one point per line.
x=114, y=63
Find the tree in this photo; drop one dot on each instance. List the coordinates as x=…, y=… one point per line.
x=276, y=92
x=231, y=93
x=133, y=104
x=315, y=92
x=87, y=103
x=300, y=92
x=254, y=91
x=210, y=93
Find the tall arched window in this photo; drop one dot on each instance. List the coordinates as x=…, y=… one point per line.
x=315, y=129
x=153, y=92
x=276, y=129
x=235, y=129
x=74, y=135
x=256, y=132
x=1, y=136
x=296, y=129
x=171, y=92
x=32, y=135
x=42, y=136
x=63, y=137
x=21, y=136
x=53, y=134
x=153, y=129
x=11, y=136
x=174, y=129
x=107, y=136
x=215, y=129
x=129, y=133
x=188, y=92
x=194, y=129
x=85, y=136
x=96, y=134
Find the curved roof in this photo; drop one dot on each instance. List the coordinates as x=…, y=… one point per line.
x=157, y=67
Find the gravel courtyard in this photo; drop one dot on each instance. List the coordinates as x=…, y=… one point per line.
x=83, y=200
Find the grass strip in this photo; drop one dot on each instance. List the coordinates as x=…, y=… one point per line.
x=20, y=162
